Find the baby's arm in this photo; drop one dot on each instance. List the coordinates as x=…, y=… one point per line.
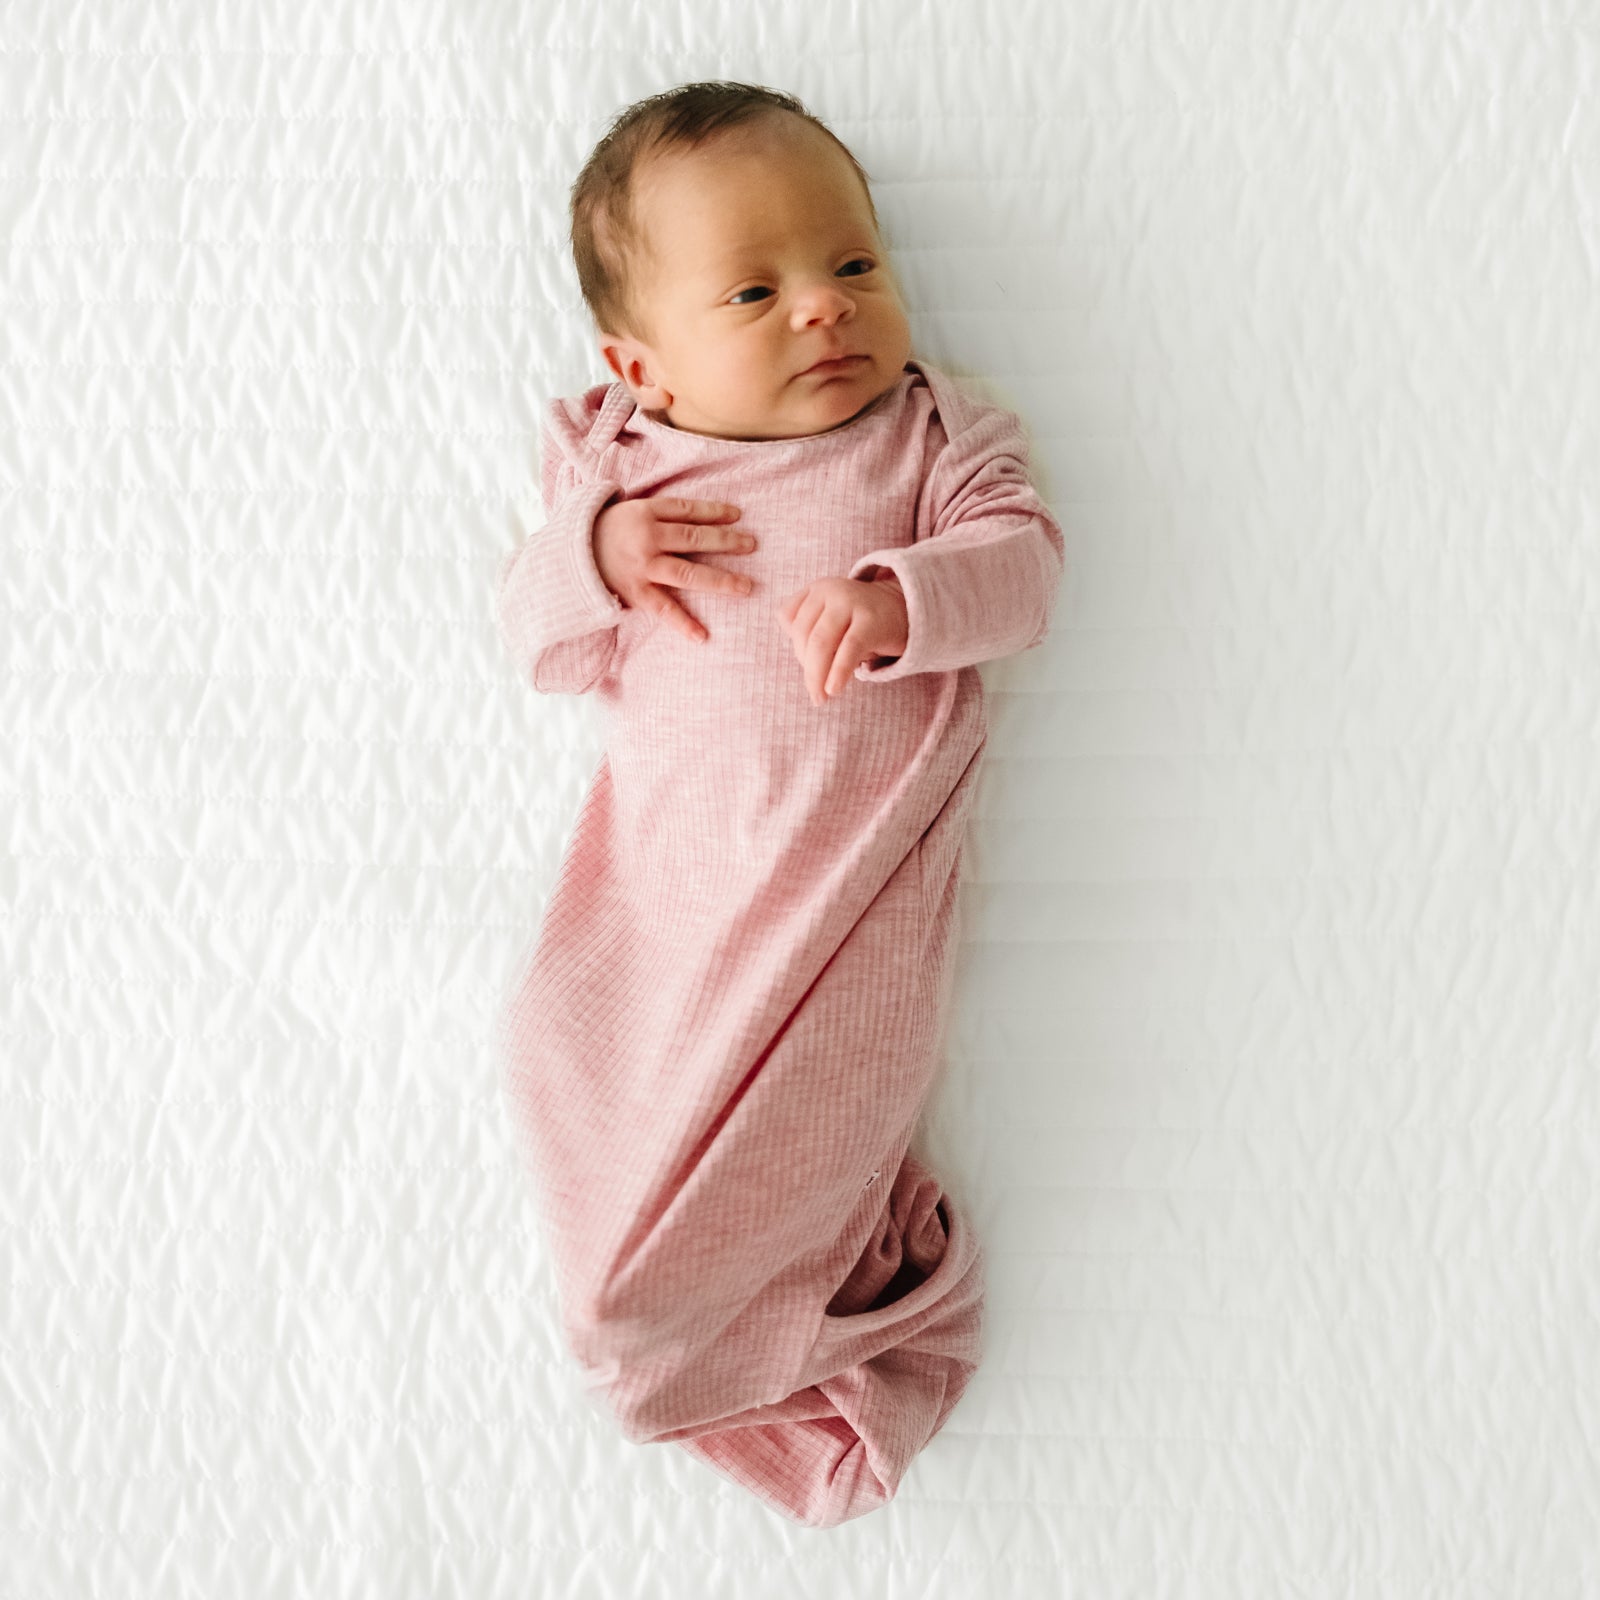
x=555, y=615
x=982, y=581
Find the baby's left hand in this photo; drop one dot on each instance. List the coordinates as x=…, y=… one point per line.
x=835, y=624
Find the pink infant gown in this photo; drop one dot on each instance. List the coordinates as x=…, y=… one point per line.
x=716, y=1057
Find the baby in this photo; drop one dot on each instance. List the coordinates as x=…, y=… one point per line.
x=776, y=548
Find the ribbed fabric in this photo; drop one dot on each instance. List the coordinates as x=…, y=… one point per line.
x=730, y=1020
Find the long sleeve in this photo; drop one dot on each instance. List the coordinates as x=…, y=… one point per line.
x=982, y=582
x=555, y=614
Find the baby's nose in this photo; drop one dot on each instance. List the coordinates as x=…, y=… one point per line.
x=825, y=305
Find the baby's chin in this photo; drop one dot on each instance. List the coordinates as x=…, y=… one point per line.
x=853, y=411
x=830, y=404
x=826, y=405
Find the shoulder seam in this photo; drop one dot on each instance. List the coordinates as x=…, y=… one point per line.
x=957, y=409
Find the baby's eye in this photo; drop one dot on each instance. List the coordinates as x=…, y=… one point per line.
x=739, y=299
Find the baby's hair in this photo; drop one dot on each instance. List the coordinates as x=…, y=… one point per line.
x=606, y=238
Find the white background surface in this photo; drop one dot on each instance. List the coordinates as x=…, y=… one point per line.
x=1271, y=1073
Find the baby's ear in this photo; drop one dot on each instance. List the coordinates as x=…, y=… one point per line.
x=632, y=362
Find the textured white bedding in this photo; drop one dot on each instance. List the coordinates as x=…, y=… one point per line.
x=1272, y=1069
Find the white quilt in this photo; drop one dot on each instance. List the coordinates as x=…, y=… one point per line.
x=1271, y=1075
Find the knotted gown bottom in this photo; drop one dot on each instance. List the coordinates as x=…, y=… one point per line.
x=750, y=1262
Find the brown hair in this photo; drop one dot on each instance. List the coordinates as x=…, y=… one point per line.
x=606, y=238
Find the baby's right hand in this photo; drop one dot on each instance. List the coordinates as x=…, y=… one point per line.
x=633, y=541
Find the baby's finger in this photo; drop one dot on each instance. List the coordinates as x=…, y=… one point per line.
x=667, y=610
x=846, y=659
x=844, y=663
x=821, y=648
x=682, y=574
x=669, y=508
x=786, y=620
x=699, y=525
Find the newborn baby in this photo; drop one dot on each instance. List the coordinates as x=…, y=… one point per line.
x=776, y=548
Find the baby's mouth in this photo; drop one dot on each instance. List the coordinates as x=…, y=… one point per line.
x=835, y=364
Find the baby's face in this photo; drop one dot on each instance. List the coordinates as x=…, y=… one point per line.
x=762, y=260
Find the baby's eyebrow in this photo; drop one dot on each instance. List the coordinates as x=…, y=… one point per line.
x=750, y=257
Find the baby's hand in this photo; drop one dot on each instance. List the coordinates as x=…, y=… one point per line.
x=633, y=545
x=835, y=624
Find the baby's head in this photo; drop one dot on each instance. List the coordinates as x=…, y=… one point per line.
x=725, y=241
